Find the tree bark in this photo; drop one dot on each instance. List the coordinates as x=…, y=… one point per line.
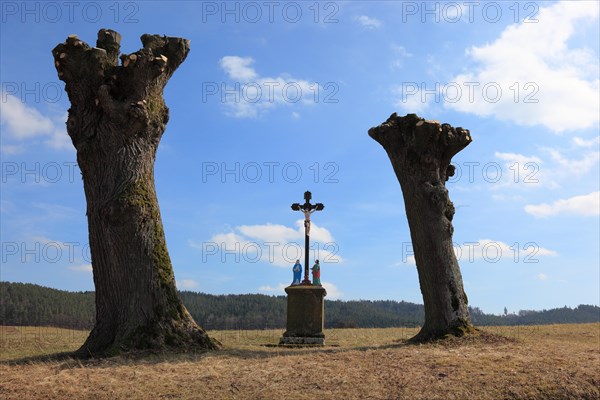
x=420, y=152
x=116, y=120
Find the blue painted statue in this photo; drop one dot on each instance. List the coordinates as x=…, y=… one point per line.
x=297, y=273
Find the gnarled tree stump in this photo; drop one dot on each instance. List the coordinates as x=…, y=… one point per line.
x=116, y=120
x=420, y=152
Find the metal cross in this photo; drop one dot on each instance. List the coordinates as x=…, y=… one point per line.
x=307, y=209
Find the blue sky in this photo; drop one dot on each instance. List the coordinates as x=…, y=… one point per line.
x=276, y=98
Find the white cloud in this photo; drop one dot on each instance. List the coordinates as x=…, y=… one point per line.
x=527, y=172
x=400, y=54
x=506, y=197
x=280, y=289
x=82, y=268
x=238, y=68
x=70, y=249
x=516, y=157
x=317, y=233
x=493, y=251
x=284, y=234
x=22, y=123
x=577, y=166
x=10, y=149
x=333, y=293
x=519, y=171
x=564, y=79
x=276, y=244
x=579, y=142
x=252, y=95
x=541, y=251
x=54, y=251
x=410, y=99
x=452, y=12
x=585, y=205
x=369, y=22
x=270, y=232
x=228, y=239
x=59, y=138
x=400, y=50
x=187, y=284
x=542, y=277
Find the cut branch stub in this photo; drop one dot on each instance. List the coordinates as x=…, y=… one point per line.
x=173, y=50
x=110, y=41
x=129, y=94
x=169, y=50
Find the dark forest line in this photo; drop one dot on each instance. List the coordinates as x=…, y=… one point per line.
x=25, y=304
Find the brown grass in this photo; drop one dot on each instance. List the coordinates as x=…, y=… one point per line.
x=540, y=362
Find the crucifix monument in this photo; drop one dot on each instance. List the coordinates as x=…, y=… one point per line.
x=306, y=302
x=307, y=209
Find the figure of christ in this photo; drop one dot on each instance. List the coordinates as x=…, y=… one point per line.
x=307, y=220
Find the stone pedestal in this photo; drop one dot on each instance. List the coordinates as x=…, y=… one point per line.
x=305, y=315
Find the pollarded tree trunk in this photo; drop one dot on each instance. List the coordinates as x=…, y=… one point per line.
x=420, y=152
x=116, y=121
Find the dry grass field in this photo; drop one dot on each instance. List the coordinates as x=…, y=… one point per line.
x=538, y=362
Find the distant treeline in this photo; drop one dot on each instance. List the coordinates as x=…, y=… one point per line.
x=33, y=305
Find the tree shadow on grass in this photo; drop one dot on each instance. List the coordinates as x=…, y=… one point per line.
x=71, y=360
x=257, y=351
x=44, y=358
